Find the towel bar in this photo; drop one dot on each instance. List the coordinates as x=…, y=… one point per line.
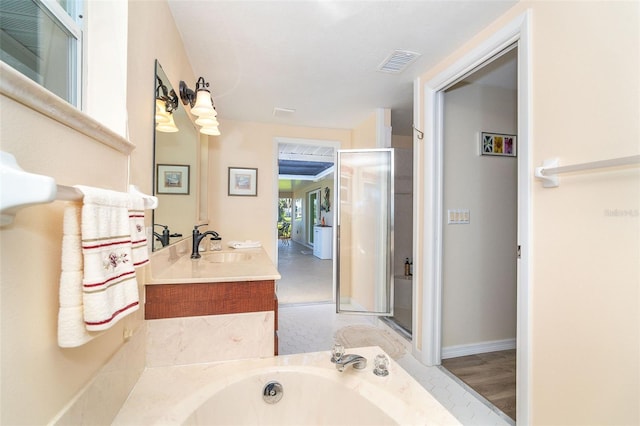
x=21, y=189
x=550, y=168
x=69, y=193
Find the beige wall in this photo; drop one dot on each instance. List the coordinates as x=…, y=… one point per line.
x=250, y=144
x=584, y=309
x=38, y=377
x=479, y=258
x=365, y=134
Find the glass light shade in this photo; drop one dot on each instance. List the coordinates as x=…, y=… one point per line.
x=213, y=131
x=203, y=104
x=161, y=112
x=207, y=121
x=169, y=127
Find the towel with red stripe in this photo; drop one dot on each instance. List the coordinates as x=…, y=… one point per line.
x=109, y=285
x=107, y=237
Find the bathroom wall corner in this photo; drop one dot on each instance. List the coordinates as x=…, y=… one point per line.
x=100, y=401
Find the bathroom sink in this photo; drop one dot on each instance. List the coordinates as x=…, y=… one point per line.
x=226, y=257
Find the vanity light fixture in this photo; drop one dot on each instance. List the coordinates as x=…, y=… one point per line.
x=161, y=112
x=201, y=104
x=168, y=127
x=213, y=131
x=200, y=101
x=166, y=104
x=207, y=121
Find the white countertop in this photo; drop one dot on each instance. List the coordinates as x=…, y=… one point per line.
x=174, y=265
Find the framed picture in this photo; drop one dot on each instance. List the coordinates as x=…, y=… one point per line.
x=498, y=144
x=243, y=181
x=172, y=179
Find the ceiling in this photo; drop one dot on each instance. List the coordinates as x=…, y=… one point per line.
x=315, y=63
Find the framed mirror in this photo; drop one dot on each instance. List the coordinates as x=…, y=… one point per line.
x=177, y=161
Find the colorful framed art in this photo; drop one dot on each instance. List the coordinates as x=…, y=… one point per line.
x=498, y=144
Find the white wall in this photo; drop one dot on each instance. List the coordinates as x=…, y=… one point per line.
x=479, y=258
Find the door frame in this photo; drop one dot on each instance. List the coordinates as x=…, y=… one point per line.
x=335, y=144
x=431, y=191
x=310, y=222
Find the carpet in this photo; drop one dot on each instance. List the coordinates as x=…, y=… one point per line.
x=355, y=336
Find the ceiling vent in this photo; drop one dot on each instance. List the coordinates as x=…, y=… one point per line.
x=398, y=61
x=282, y=112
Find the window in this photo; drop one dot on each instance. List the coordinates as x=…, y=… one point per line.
x=42, y=39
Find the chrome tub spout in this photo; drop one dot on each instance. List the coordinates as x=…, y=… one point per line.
x=359, y=362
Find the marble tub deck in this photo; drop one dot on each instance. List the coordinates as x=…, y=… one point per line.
x=169, y=395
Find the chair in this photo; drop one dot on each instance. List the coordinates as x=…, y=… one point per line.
x=284, y=233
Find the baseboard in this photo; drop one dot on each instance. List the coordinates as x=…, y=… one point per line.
x=478, y=348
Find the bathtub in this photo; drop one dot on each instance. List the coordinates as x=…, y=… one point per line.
x=314, y=393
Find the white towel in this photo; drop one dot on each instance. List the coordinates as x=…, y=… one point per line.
x=244, y=244
x=139, y=248
x=109, y=286
x=71, y=329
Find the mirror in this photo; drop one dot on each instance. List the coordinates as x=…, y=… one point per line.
x=177, y=164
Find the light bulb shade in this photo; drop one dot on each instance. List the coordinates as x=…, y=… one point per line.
x=203, y=105
x=169, y=127
x=161, y=112
x=207, y=121
x=210, y=113
x=212, y=131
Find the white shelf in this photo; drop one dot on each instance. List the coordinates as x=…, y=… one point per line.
x=323, y=242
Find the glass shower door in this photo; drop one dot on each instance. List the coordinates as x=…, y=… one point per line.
x=364, y=261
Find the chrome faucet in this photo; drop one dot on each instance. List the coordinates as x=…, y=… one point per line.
x=197, y=238
x=358, y=361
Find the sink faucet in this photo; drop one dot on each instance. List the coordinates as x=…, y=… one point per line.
x=359, y=362
x=198, y=236
x=164, y=238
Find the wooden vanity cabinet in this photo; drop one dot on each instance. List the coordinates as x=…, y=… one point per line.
x=198, y=299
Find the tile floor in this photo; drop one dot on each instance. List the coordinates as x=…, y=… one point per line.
x=312, y=328
x=307, y=322
x=305, y=278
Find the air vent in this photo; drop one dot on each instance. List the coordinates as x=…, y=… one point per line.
x=398, y=61
x=282, y=112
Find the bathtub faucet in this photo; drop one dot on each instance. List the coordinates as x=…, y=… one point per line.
x=359, y=362
x=197, y=237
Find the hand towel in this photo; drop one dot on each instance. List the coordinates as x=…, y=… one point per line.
x=244, y=244
x=109, y=285
x=139, y=249
x=71, y=329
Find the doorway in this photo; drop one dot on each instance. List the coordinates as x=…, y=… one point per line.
x=479, y=229
x=305, y=176
x=313, y=213
x=514, y=33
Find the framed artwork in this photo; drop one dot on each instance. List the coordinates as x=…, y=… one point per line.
x=172, y=179
x=243, y=181
x=498, y=144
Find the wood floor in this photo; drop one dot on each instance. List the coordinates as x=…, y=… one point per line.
x=492, y=375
